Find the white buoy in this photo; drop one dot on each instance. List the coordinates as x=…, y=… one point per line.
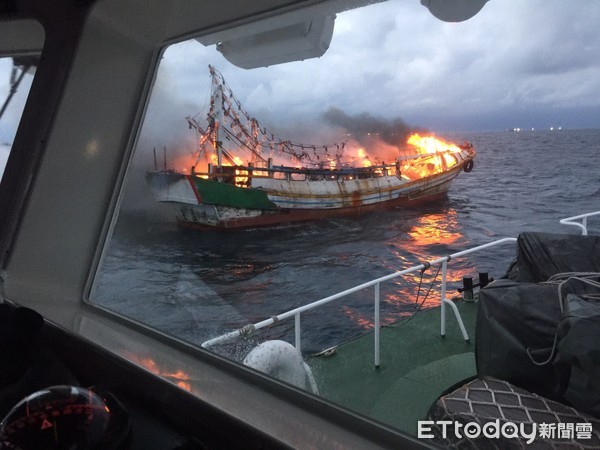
x=281, y=360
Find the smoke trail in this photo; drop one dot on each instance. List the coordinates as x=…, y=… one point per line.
x=382, y=139
x=364, y=127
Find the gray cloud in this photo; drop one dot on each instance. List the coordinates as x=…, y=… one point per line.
x=536, y=60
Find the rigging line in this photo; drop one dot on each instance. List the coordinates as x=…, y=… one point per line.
x=243, y=144
x=320, y=147
x=231, y=95
x=228, y=156
x=418, y=308
x=283, y=145
x=221, y=81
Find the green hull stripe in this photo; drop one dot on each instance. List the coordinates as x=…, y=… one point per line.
x=216, y=193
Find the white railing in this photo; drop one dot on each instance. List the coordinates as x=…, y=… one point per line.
x=296, y=313
x=574, y=221
x=443, y=261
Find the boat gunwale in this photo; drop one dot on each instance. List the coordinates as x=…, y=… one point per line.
x=465, y=155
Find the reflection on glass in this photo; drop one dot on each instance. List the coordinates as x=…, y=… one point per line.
x=178, y=377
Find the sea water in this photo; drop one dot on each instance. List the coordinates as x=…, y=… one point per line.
x=196, y=285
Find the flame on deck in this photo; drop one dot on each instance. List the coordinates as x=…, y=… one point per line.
x=240, y=141
x=441, y=156
x=422, y=156
x=364, y=159
x=431, y=144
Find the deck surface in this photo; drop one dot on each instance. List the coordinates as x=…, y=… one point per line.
x=417, y=366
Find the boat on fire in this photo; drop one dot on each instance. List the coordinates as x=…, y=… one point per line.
x=252, y=178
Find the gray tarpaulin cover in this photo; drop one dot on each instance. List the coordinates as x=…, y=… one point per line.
x=512, y=318
x=541, y=255
x=578, y=353
x=545, y=336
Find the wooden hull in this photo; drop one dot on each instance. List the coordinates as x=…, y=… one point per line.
x=202, y=203
x=189, y=217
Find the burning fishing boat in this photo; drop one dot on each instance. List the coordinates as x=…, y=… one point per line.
x=244, y=176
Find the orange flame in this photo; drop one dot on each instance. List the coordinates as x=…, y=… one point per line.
x=431, y=144
x=363, y=157
x=434, y=155
x=236, y=159
x=438, y=156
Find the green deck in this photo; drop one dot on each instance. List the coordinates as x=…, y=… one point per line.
x=417, y=365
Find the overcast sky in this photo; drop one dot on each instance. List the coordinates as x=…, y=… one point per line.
x=518, y=63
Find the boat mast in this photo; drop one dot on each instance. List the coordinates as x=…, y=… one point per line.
x=227, y=119
x=217, y=113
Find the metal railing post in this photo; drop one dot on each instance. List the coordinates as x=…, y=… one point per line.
x=298, y=343
x=251, y=328
x=443, y=297
x=583, y=225
x=377, y=326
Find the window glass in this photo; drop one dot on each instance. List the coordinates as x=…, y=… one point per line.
x=16, y=75
x=254, y=192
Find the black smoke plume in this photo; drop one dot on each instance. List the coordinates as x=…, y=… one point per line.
x=364, y=127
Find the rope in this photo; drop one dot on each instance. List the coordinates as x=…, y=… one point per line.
x=561, y=279
x=418, y=307
x=247, y=330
